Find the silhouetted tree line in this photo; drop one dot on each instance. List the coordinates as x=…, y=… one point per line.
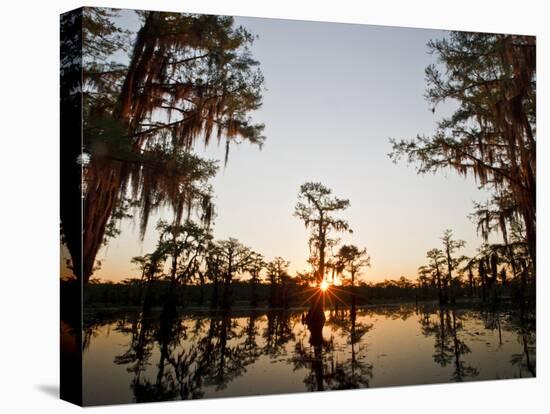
x=488, y=276
x=129, y=293
x=247, y=294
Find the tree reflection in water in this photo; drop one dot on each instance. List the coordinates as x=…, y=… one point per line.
x=449, y=348
x=195, y=356
x=277, y=333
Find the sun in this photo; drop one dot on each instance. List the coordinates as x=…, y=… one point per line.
x=324, y=285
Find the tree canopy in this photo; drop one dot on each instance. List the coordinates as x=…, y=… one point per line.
x=492, y=134
x=187, y=77
x=317, y=208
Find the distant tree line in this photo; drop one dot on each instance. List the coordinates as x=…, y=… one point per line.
x=247, y=294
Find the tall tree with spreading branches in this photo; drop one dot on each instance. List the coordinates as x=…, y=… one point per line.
x=151, y=266
x=255, y=266
x=436, y=263
x=492, y=134
x=185, y=244
x=352, y=259
x=233, y=257
x=317, y=208
x=450, y=246
x=187, y=78
x=277, y=273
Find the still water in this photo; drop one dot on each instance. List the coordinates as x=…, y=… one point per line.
x=136, y=358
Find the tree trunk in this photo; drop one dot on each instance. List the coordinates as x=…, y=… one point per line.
x=146, y=298
x=201, y=292
x=215, y=293
x=316, y=313
x=170, y=300
x=483, y=277
x=272, y=291
x=106, y=178
x=226, y=300
x=102, y=189
x=317, y=307
x=353, y=296
x=471, y=283
x=441, y=297
x=254, y=299
x=494, y=277
x=450, y=277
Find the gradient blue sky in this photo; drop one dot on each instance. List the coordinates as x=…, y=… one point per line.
x=335, y=94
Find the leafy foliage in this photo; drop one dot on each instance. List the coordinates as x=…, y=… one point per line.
x=492, y=134
x=186, y=78
x=316, y=207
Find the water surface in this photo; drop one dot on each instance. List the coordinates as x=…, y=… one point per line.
x=136, y=358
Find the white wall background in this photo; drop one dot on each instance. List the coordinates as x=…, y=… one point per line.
x=29, y=137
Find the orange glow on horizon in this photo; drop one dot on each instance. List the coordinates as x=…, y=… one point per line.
x=324, y=285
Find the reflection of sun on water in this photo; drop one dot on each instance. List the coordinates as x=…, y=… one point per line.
x=324, y=285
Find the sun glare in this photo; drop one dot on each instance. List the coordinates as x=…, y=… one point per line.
x=324, y=285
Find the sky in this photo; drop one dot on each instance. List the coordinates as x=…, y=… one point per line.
x=335, y=94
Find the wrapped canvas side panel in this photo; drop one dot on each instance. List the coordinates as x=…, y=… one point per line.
x=71, y=206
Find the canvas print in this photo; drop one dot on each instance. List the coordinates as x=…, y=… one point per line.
x=256, y=206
